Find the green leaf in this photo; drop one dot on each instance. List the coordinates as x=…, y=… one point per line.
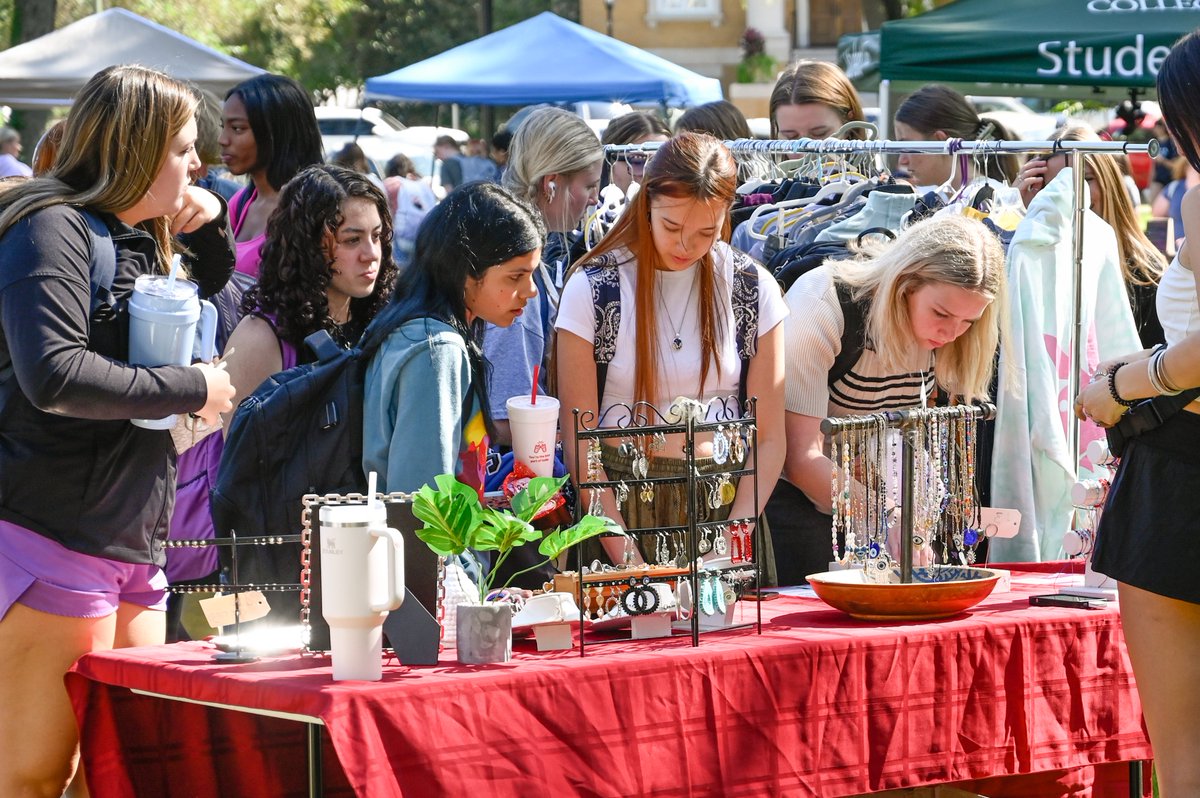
x=526, y=503
x=589, y=526
x=451, y=515
x=505, y=531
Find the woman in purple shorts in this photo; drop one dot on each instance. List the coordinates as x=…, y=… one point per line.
x=85, y=496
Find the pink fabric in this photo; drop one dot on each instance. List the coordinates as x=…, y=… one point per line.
x=248, y=253
x=818, y=705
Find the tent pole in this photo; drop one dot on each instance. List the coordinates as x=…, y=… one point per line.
x=1077, y=362
x=885, y=108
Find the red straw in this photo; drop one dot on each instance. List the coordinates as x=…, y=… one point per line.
x=533, y=396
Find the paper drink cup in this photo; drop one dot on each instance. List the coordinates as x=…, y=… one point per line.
x=534, y=432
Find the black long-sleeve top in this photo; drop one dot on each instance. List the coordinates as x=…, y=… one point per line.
x=72, y=467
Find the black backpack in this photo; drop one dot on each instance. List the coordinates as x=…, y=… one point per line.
x=300, y=432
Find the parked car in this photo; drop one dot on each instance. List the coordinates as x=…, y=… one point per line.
x=381, y=136
x=597, y=115
x=1018, y=117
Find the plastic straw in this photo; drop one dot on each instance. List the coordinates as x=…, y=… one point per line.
x=533, y=396
x=175, y=261
x=372, y=480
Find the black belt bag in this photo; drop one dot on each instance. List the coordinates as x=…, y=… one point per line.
x=1148, y=415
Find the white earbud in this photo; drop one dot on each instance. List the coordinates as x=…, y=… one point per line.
x=551, y=189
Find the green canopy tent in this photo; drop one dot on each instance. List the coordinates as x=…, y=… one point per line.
x=1116, y=44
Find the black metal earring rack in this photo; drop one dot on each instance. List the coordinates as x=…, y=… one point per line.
x=644, y=420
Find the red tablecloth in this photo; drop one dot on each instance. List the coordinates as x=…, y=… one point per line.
x=819, y=704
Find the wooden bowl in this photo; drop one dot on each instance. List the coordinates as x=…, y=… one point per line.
x=938, y=591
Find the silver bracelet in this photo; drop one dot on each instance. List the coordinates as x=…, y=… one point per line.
x=1157, y=375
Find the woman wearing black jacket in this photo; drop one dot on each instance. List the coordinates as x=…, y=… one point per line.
x=84, y=495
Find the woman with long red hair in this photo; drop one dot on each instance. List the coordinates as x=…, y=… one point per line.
x=692, y=309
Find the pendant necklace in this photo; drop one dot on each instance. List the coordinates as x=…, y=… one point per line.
x=677, y=341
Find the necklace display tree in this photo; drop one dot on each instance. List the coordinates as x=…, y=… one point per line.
x=903, y=500
x=703, y=564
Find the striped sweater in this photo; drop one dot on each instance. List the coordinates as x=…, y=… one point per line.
x=813, y=336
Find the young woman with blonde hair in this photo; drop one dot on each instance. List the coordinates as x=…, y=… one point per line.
x=812, y=99
x=929, y=308
x=677, y=334
x=554, y=164
x=85, y=496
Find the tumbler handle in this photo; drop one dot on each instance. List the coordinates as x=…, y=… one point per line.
x=395, y=569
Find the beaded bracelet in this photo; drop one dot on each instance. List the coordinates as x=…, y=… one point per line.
x=1112, y=388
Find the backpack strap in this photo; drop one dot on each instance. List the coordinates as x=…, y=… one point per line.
x=102, y=267
x=745, y=316
x=854, y=333
x=604, y=279
x=102, y=271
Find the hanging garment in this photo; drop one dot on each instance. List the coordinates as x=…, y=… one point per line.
x=1032, y=469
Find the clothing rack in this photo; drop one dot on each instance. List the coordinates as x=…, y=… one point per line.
x=964, y=147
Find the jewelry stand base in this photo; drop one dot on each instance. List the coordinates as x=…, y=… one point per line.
x=718, y=620
x=655, y=624
x=553, y=636
x=1095, y=585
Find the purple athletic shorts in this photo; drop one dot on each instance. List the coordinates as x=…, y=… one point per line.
x=44, y=575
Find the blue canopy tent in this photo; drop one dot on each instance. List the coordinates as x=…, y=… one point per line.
x=545, y=59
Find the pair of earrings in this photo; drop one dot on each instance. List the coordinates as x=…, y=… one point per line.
x=741, y=542
x=712, y=594
x=729, y=444
x=721, y=492
x=594, y=466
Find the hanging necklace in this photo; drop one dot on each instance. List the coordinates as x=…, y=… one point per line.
x=677, y=341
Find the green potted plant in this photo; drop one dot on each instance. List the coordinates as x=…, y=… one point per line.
x=456, y=523
x=756, y=65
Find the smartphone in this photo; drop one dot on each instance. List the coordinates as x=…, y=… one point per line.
x=1062, y=600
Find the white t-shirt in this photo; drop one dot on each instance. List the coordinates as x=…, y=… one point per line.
x=677, y=313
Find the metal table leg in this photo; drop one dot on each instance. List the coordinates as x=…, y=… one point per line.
x=316, y=787
x=1135, y=779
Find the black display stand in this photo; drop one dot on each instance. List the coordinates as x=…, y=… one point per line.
x=642, y=421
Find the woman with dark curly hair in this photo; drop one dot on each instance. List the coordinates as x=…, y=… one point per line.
x=326, y=265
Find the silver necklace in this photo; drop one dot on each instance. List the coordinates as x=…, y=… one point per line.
x=677, y=341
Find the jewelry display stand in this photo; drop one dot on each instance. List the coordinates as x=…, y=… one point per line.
x=1088, y=497
x=932, y=490
x=703, y=595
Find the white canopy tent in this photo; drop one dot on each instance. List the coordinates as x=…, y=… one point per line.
x=50, y=69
